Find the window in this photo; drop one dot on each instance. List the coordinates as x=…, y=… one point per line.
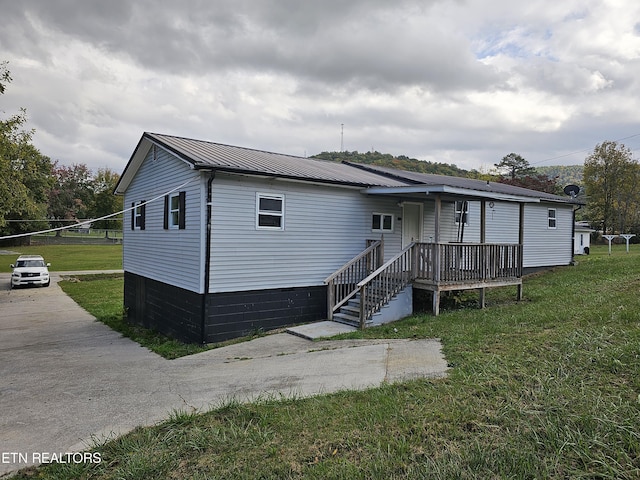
x=382, y=222
x=138, y=214
x=551, y=218
x=269, y=211
x=174, y=211
x=462, y=212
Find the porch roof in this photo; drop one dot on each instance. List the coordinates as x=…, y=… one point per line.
x=446, y=190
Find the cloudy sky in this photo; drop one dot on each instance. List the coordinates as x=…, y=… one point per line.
x=454, y=81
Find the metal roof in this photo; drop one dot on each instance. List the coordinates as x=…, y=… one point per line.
x=205, y=155
x=483, y=188
x=216, y=156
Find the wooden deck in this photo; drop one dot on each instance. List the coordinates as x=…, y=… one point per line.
x=442, y=267
x=437, y=267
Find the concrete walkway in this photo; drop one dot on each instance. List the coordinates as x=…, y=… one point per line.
x=66, y=379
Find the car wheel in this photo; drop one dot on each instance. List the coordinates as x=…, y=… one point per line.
x=48, y=283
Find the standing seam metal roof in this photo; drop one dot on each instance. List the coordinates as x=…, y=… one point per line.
x=208, y=155
x=417, y=178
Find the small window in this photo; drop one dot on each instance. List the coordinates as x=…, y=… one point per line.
x=462, y=212
x=138, y=215
x=382, y=222
x=174, y=211
x=551, y=218
x=269, y=211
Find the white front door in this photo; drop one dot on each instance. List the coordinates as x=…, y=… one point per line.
x=411, y=223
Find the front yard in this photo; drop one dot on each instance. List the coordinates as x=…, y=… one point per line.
x=545, y=388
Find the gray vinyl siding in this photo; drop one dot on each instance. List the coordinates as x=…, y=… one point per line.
x=171, y=256
x=502, y=223
x=325, y=226
x=448, y=225
x=544, y=246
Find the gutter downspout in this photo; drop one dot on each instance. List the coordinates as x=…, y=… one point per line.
x=207, y=261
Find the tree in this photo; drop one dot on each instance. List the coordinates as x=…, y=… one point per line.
x=25, y=173
x=515, y=166
x=71, y=196
x=104, y=201
x=611, y=179
x=517, y=171
x=540, y=183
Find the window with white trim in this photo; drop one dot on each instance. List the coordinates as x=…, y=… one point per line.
x=462, y=212
x=174, y=211
x=551, y=218
x=382, y=222
x=138, y=215
x=269, y=211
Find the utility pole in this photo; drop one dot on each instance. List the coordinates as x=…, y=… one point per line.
x=342, y=137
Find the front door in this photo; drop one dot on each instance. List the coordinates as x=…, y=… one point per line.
x=411, y=223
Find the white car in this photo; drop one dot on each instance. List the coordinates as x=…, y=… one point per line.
x=30, y=270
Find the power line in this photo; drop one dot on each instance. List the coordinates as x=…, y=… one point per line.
x=67, y=227
x=580, y=151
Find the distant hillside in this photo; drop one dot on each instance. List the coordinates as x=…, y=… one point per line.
x=566, y=174
x=401, y=162
x=563, y=174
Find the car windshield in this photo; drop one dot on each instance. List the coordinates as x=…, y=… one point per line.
x=29, y=263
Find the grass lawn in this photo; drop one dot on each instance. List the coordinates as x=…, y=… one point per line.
x=545, y=388
x=102, y=296
x=64, y=258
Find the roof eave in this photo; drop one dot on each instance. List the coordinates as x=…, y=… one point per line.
x=447, y=190
x=253, y=173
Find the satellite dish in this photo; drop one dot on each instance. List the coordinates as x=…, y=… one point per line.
x=572, y=190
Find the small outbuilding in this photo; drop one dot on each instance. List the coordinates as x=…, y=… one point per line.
x=582, y=238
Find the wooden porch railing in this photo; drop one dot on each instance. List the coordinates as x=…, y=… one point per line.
x=343, y=284
x=378, y=288
x=434, y=266
x=467, y=262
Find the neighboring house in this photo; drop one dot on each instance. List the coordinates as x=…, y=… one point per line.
x=221, y=241
x=582, y=238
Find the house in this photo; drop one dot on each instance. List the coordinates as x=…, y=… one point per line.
x=582, y=238
x=220, y=241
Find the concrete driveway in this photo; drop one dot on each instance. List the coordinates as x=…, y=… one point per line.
x=66, y=379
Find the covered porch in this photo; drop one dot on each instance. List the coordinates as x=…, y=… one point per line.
x=367, y=283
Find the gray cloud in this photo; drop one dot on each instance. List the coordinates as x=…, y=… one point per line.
x=460, y=82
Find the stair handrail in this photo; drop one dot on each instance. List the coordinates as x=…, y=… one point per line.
x=335, y=299
x=371, y=302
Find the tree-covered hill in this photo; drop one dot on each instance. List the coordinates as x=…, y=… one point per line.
x=401, y=162
x=564, y=174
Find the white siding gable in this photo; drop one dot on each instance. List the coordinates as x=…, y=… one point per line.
x=171, y=256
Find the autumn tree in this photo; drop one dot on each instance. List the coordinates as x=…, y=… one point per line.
x=71, y=197
x=25, y=174
x=611, y=178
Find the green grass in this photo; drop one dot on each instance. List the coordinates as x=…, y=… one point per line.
x=545, y=388
x=102, y=296
x=64, y=258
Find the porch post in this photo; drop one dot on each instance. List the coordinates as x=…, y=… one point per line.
x=483, y=225
x=521, y=242
x=438, y=206
x=436, y=302
x=483, y=234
